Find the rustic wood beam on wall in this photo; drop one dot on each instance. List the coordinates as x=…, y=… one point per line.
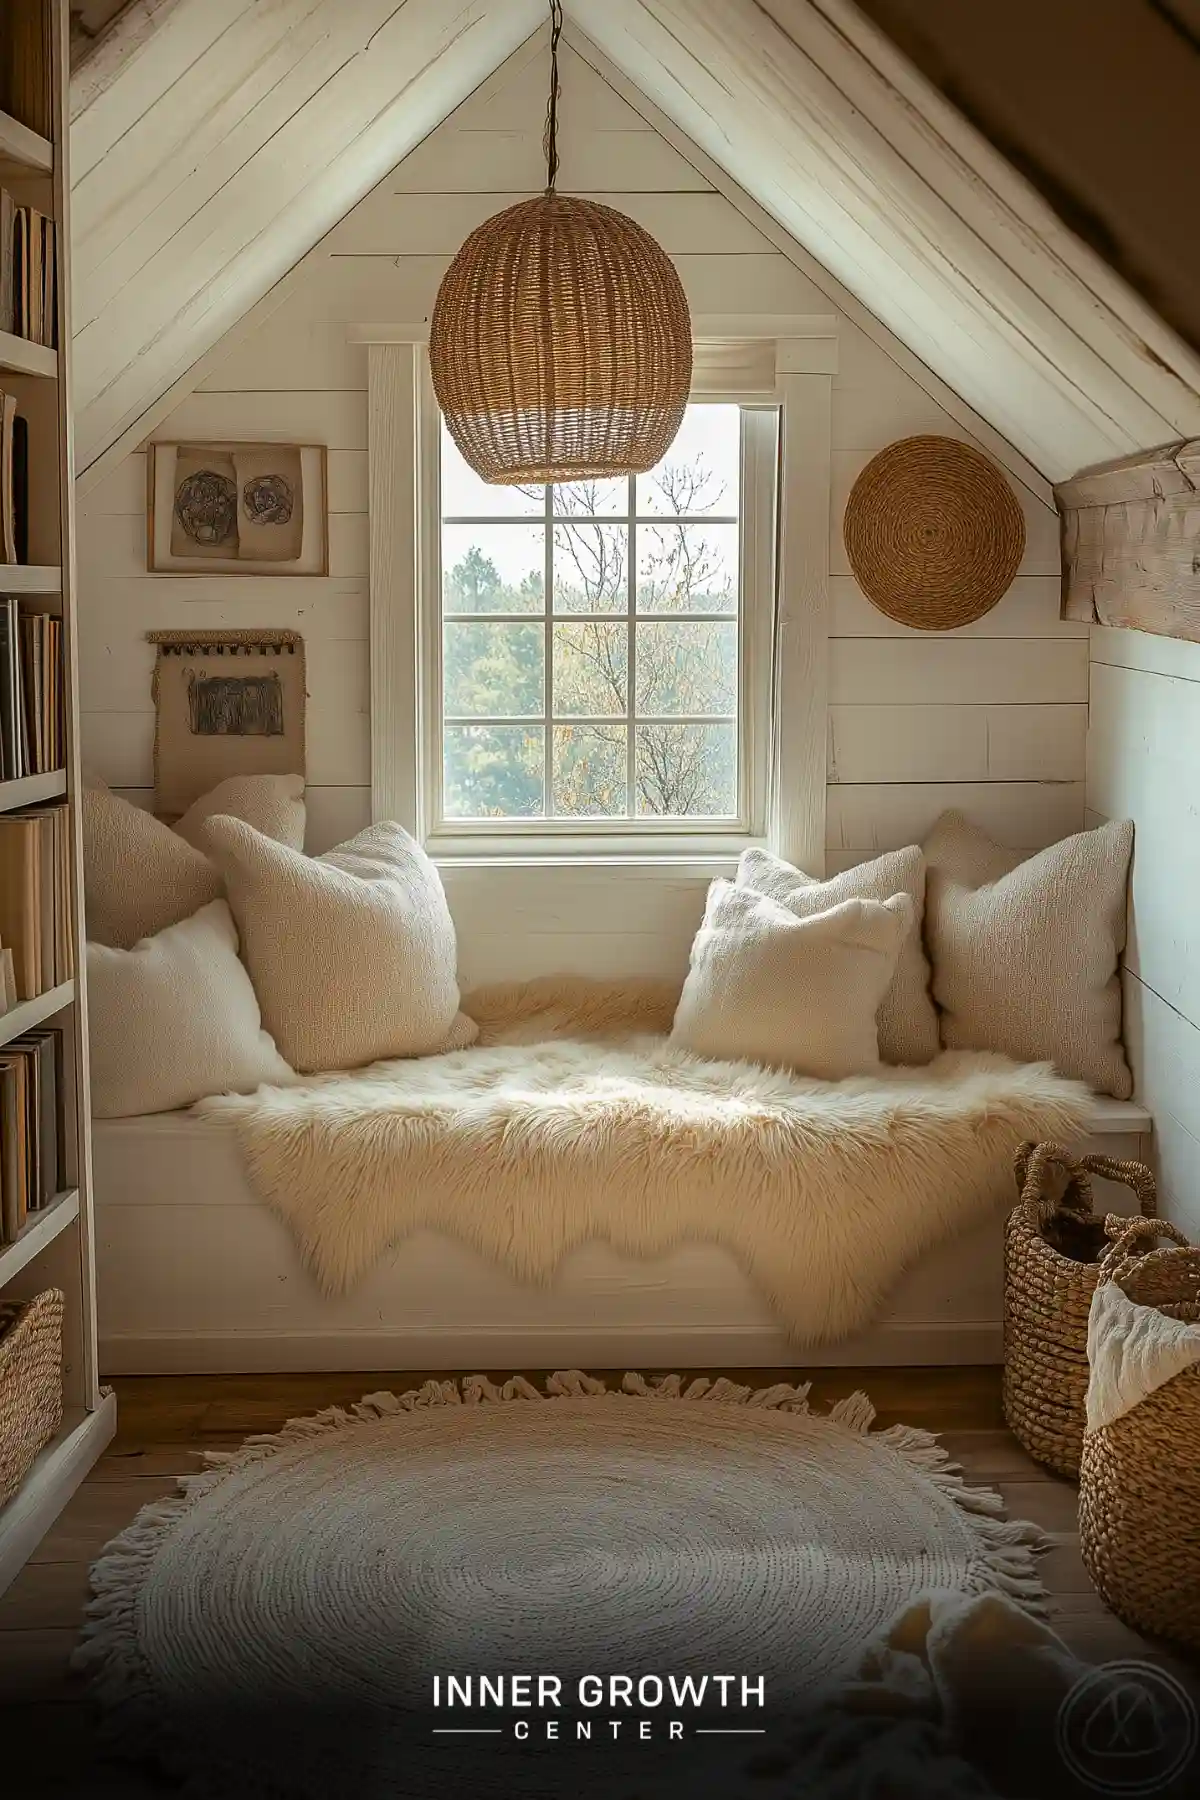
x=1131, y=542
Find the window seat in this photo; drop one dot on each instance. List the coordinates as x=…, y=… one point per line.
x=198, y=1274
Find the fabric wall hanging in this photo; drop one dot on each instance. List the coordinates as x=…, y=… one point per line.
x=934, y=533
x=237, y=509
x=561, y=343
x=226, y=703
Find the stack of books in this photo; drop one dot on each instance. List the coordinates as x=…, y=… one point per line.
x=14, y=482
x=32, y=717
x=32, y=1151
x=35, y=897
x=28, y=273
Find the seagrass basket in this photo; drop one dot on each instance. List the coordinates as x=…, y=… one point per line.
x=1053, y=1245
x=31, y=1384
x=1139, y=1485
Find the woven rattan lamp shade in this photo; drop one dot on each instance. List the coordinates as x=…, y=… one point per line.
x=561, y=344
x=933, y=532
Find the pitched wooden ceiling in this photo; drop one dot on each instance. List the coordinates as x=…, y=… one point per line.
x=227, y=136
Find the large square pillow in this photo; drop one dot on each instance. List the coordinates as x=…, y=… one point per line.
x=141, y=875
x=174, y=1019
x=352, y=953
x=908, y=1022
x=1026, y=950
x=765, y=986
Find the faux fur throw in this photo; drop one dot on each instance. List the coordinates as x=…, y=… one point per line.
x=573, y=1120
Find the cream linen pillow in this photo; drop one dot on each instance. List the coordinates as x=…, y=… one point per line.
x=273, y=804
x=765, y=986
x=141, y=875
x=175, y=1018
x=1025, y=951
x=908, y=1022
x=352, y=953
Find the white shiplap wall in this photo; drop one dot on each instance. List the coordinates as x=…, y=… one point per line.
x=1144, y=765
x=992, y=718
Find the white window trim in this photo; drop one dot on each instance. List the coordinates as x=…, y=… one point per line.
x=784, y=361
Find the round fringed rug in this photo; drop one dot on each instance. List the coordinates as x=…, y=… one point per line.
x=281, y=1623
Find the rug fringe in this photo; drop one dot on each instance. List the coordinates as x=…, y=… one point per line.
x=109, y=1654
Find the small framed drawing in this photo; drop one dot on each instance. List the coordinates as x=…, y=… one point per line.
x=237, y=509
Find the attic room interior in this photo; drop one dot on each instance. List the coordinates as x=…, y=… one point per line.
x=599, y=1042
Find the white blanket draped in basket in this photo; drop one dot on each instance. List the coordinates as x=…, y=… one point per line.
x=573, y=1121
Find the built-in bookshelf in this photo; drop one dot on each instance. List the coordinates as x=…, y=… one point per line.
x=43, y=1031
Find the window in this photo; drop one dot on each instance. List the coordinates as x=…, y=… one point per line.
x=604, y=646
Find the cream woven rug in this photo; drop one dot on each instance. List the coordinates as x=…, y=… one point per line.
x=575, y=1121
x=333, y=1570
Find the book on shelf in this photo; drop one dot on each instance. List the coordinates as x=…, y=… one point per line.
x=14, y=482
x=26, y=57
x=35, y=898
x=32, y=1127
x=32, y=713
x=28, y=273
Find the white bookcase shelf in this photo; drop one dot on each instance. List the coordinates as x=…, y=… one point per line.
x=55, y=1247
x=22, y=149
x=41, y=1230
x=29, y=578
x=18, y=356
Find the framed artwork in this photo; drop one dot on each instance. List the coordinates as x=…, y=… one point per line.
x=237, y=509
x=226, y=703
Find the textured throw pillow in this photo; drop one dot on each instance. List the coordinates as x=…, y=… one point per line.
x=141, y=875
x=273, y=804
x=352, y=953
x=174, y=1019
x=908, y=1022
x=765, y=986
x=1025, y=951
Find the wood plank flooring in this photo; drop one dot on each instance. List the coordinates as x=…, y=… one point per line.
x=165, y=1423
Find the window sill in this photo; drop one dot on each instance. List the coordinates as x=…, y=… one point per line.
x=648, y=865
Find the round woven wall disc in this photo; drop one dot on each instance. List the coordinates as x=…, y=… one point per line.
x=934, y=533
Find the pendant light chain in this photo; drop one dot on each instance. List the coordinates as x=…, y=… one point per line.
x=550, y=142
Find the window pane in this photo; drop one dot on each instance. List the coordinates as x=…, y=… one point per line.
x=590, y=771
x=701, y=472
x=465, y=495
x=687, y=668
x=687, y=771
x=591, y=670
x=493, y=568
x=591, y=499
x=687, y=568
x=591, y=564
x=493, y=772
x=493, y=671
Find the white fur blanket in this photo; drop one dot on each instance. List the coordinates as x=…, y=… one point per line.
x=574, y=1120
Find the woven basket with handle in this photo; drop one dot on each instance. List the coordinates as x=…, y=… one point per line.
x=1139, y=1483
x=1053, y=1246
x=31, y=1384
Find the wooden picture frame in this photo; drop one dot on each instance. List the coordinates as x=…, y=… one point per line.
x=290, y=533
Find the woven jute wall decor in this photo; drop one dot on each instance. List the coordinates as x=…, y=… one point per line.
x=933, y=532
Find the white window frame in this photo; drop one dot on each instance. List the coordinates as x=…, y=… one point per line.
x=780, y=369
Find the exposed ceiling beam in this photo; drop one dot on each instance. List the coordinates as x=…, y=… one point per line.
x=918, y=222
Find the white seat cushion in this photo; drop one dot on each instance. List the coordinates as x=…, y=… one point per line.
x=765, y=986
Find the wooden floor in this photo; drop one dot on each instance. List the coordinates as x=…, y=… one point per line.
x=164, y=1422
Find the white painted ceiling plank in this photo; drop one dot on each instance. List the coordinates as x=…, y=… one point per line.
x=328, y=156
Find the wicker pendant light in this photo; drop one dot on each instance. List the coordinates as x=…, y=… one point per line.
x=561, y=344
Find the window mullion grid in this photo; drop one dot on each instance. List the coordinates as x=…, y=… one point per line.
x=548, y=683
x=631, y=653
